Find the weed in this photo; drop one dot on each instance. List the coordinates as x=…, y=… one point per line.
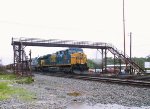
x=26, y=80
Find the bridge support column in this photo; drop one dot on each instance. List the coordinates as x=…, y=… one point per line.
x=21, y=62
x=114, y=63
x=102, y=61
x=105, y=60
x=120, y=64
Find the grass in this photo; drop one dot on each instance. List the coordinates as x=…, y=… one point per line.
x=4, y=90
x=20, y=80
x=7, y=90
x=23, y=94
x=7, y=77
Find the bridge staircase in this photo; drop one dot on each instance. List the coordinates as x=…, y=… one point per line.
x=125, y=58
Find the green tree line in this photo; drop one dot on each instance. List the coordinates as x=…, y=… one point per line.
x=140, y=61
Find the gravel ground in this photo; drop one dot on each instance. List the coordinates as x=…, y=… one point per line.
x=59, y=93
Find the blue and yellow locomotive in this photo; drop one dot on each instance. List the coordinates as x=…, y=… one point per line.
x=72, y=60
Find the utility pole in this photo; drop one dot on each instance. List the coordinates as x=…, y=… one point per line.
x=124, y=30
x=30, y=63
x=130, y=45
x=130, y=49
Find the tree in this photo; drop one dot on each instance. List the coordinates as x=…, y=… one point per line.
x=93, y=64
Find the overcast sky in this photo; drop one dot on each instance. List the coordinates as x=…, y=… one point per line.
x=85, y=20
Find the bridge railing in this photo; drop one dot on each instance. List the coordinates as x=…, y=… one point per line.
x=57, y=41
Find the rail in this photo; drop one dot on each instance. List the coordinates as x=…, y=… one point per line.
x=101, y=79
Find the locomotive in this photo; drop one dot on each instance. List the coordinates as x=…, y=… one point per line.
x=71, y=60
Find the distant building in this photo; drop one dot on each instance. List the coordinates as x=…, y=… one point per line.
x=117, y=68
x=123, y=66
x=147, y=67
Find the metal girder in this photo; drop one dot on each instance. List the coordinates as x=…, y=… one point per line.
x=21, y=62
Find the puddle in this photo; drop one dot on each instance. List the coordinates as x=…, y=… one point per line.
x=79, y=105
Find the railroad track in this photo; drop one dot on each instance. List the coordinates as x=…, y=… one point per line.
x=102, y=79
x=119, y=81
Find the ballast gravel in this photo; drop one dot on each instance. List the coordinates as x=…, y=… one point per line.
x=58, y=93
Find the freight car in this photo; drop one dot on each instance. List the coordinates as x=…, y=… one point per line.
x=71, y=60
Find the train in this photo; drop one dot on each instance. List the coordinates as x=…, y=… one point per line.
x=71, y=60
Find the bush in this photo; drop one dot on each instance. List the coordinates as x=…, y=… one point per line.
x=2, y=70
